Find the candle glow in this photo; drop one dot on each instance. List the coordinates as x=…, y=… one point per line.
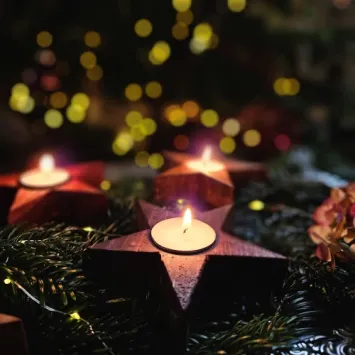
x=46, y=163
x=206, y=164
x=46, y=176
x=183, y=235
x=187, y=220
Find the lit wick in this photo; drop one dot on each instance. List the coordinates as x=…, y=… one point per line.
x=186, y=222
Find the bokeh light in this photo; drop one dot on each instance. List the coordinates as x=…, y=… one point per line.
x=251, y=138
x=209, y=118
x=156, y=161
x=177, y=117
x=227, y=145
x=237, y=5
x=203, y=32
x=153, y=89
x=20, y=89
x=341, y=4
x=231, y=127
x=95, y=74
x=133, y=118
x=141, y=159
x=44, y=39
x=50, y=82
x=105, y=185
x=182, y=5
x=58, y=99
x=287, y=87
x=76, y=113
x=160, y=52
x=180, y=31
x=256, y=205
x=82, y=100
x=282, y=142
x=186, y=17
x=149, y=126
x=88, y=60
x=46, y=57
x=133, y=92
x=191, y=108
x=24, y=104
x=181, y=142
x=92, y=39
x=53, y=118
x=123, y=143
x=143, y=28
x=137, y=133
x=214, y=41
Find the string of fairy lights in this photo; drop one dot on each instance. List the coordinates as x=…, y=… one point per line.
x=138, y=126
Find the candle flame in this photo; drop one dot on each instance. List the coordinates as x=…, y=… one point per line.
x=206, y=156
x=46, y=163
x=186, y=221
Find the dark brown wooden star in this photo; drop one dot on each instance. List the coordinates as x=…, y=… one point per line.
x=184, y=271
x=78, y=201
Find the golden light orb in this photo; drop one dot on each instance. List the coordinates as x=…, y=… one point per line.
x=92, y=39
x=88, y=60
x=231, y=127
x=141, y=159
x=209, y=118
x=251, y=138
x=44, y=39
x=153, y=89
x=181, y=5
x=133, y=92
x=156, y=161
x=58, y=99
x=143, y=27
x=53, y=118
x=227, y=145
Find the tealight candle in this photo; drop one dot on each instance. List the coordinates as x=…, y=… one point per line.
x=46, y=176
x=183, y=235
x=206, y=164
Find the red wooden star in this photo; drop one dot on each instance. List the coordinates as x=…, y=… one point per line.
x=240, y=171
x=78, y=201
x=184, y=271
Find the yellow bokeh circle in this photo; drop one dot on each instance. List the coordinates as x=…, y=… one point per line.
x=182, y=5
x=256, y=205
x=231, y=127
x=153, y=89
x=177, y=117
x=95, y=74
x=143, y=27
x=44, y=39
x=227, y=145
x=88, y=60
x=58, y=99
x=237, y=5
x=53, y=118
x=186, y=17
x=92, y=39
x=160, y=52
x=209, y=118
x=133, y=92
x=149, y=126
x=82, y=100
x=180, y=31
x=156, y=161
x=251, y=138
x=75, y=113
x=133, y=118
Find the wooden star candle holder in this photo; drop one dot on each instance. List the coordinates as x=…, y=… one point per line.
x=239, y=171
x=12, y=336
x=136, y=260
x=183, y=271
x=72, y=196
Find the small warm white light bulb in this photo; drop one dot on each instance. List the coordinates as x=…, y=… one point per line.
x=206, y=156
x=46, y=163
x=187, y=220
x=75, y=315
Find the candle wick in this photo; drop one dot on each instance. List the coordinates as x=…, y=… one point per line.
x=185, y=230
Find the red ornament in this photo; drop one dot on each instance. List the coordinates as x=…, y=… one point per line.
x=78, y=201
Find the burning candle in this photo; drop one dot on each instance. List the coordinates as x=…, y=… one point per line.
x=183, y=235
x=46, y=176
x=206, y=164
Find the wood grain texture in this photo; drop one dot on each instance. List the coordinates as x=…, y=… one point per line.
x=12, y=336
x=184, y=271
x=78, y=201
x=215, y=188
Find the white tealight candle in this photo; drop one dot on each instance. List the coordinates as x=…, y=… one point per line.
x=183, y=235
x=205, y=164
x=46, y=176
